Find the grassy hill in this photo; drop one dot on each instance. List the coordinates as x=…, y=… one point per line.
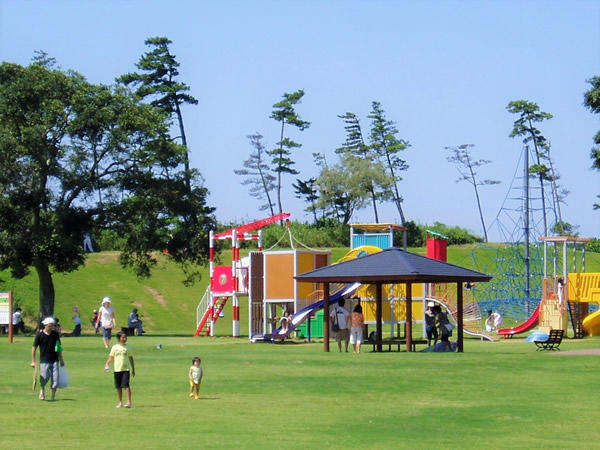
x=165, y=304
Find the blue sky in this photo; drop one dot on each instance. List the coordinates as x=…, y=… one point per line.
x=444, y=71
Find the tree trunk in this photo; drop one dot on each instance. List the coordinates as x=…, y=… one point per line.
x=478, y=201
x=46, y=289
x=541, y=178
x=186, y=160
x=373, y=199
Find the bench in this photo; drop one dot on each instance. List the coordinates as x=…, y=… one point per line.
x=553, y=341
x=398, y=343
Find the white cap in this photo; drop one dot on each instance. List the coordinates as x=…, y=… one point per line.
x=48, y=321
x=430, y=304
x=106, y=300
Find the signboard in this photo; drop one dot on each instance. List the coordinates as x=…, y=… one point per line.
x=4, y=308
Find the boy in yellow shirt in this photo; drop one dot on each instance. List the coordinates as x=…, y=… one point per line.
x=123, y=361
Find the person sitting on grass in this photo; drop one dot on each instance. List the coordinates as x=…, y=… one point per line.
x=133, y=321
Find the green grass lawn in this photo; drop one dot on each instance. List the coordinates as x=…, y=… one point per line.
x=165, y=304
x=496, y=394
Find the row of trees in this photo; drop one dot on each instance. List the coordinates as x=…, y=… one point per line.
x=77, y=156
x=368, y=169
x=370, y=166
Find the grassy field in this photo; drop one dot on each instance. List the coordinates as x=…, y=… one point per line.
x=500, y=395
x=166, y=305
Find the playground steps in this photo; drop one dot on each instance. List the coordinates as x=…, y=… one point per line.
x=212, y=314
x=578, y=311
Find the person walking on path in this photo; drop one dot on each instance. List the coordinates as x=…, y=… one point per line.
x=339, y=319
x=48, y=340
x=107, y=320
x=124, y=368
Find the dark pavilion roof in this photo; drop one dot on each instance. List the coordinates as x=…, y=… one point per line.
x=393, y=265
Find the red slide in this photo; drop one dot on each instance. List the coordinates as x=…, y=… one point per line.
x=527, y=325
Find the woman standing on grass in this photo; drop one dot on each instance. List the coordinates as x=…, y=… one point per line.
x=356, y=331
x=107, y=320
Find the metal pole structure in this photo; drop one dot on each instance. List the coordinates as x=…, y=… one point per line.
x=379, y=314
x=10, y=314
x=526, y=227
x=235, y=313
x=326, y=317
x=408, y=317
x=211, y=297
x=459, y=315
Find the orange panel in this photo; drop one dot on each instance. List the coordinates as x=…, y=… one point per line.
x=322, y=260
x=279, y=276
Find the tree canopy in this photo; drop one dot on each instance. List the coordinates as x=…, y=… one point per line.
x=76, y=157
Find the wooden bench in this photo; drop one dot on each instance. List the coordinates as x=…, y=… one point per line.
x=398, y=343
x=553, y=341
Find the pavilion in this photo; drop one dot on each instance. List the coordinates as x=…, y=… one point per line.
x=394, y=266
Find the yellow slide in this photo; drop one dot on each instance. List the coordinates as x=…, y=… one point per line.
x=591, y=324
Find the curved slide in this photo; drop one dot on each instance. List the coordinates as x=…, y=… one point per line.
x=307, y=311
x=465, y=330
x=525, y=326
x=591, y=324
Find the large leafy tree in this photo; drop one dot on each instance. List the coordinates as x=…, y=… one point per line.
x=340, y=190
x=389, y=147
x=592, y=101
x=158, y=80
x=364, y=161
x=284, y=112
x=467, y=168
x=61, y=140
x=257, y=173
x=529, y=114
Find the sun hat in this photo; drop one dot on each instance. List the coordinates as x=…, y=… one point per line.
x=48, y=321
x=430, y=304
x=106, y=300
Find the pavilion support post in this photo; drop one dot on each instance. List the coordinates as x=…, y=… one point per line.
x=378, y=314
x=408, y=317
x=459, y=314
x=326, y=317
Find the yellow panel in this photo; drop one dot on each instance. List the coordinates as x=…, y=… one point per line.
x=306, y=262
x=370, y=312
x=390, y=290
x=583, y=287
x=279, y=276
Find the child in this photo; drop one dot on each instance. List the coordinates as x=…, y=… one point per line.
x=195, y=375
x=121, y=355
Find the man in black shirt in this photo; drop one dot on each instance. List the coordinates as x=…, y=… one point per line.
x=48, y=340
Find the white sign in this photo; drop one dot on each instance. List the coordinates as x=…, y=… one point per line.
x=4, y=308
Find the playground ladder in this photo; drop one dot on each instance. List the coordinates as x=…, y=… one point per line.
x=577, y=311
x=209, y=312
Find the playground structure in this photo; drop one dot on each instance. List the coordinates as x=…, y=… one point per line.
x=229, y=281
x=565, y=295
x=267, y=279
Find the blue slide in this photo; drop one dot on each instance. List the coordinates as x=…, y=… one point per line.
x=307, y=311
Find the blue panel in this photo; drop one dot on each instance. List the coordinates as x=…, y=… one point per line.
x=378, y=240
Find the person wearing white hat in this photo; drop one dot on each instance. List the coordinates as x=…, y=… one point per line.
x=430, y=327
x=107, y=320
x=48, y=340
